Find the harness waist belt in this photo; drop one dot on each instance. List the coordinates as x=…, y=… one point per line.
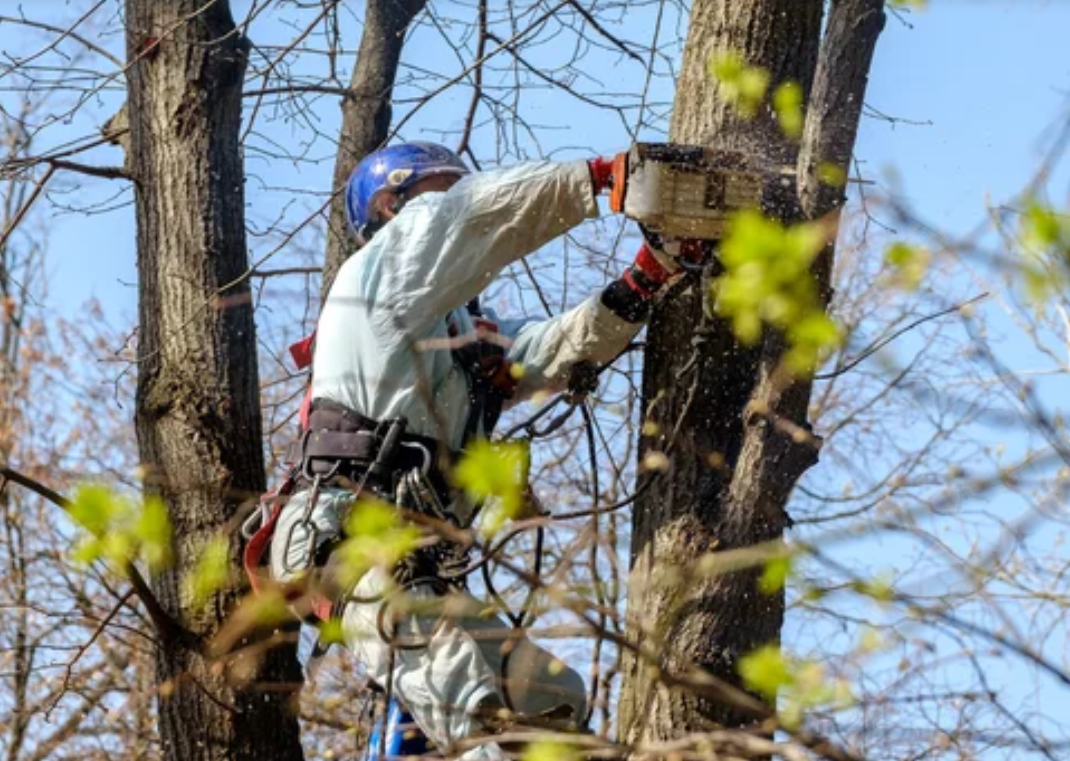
x=340, y=441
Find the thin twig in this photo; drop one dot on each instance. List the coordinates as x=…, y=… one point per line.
x=164, y=622
x=107, y=172
x=589, y=17
x=84, y=648
x=869, y=352
x=17, y=219
x=478, y=62
x=69, y=32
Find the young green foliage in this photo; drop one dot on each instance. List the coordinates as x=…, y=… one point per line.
x=211, y=573
x=120, y=529
x=741, y=85
x=879, y=589
x=831, y=174
x=800, y=685
x=909, y=264
x=497, y=471
x=1045, y=239
x=775, y=575
x=767, y=282
x=376, y=536
x=788, y=105
x=765, y=671
x=331, y=632
x=546, y=750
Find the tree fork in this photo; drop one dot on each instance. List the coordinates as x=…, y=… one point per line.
x=366, y=114
x=743, y=441
x=197, y=411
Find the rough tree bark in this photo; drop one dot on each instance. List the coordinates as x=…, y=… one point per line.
x=197, y=410
x=366, y=113
x=742, y=442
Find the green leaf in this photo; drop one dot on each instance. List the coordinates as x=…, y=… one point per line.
x=211, y=572
x=495, y=470
x=265, y=609
x=800, y=685
x=880, y=589
x=153, y=530
x=87, y=551
x=376, y=537
x=767, y=282
x=831, y=175
x=120, y=529
x=765, y=671
x=909, y=264
x=870, y=641
x=1045, y=240
x=94, y=507
x=741, y=85
x=787, y=103
x=546, y=750
x=331, y=632
x=775, y=575
x=811, y=336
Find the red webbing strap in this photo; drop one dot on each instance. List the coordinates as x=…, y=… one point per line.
x=305, y=411
x=261, y=581
x=254, y=551
x=302, y=357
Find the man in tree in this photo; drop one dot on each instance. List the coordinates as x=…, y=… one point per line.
x=407, y=367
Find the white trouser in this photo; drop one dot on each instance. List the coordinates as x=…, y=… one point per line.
x=457, y=655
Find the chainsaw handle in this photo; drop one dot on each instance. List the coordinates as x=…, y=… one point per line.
x=619, y=185
x=611, y=174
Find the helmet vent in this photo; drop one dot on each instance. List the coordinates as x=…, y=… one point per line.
x=398, y=177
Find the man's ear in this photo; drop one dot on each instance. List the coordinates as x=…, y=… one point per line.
x=386, y=205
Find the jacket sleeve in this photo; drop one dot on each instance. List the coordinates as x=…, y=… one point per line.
x=547, y=350
x=443, y=249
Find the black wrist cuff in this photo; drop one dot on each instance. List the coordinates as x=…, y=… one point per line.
x=626, y=302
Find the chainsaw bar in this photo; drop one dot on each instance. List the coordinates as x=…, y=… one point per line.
x=687, y=191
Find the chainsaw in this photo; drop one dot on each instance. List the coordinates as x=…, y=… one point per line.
x=688, y=192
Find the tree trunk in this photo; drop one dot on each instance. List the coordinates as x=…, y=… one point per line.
x=366, y=114
x=741, y=444
x=198, y=412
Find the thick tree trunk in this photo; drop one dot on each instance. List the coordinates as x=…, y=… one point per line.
x=741, y=443
x=366, y=113
x=198, y=413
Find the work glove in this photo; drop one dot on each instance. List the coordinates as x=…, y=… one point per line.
x=652, y=270
x=675, y=254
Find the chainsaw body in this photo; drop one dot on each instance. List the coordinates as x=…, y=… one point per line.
x=689, y=192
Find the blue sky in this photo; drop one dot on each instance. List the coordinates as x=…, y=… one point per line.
x=987, y=79
x=991, y=77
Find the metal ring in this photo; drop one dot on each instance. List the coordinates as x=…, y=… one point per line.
x=251, y=525
x=426, y=467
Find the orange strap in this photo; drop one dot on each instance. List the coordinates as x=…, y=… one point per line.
x=254, y=550
x=620, y=182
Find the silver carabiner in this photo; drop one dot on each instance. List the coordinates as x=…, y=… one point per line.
x=309, y=525
x=251, y=525
x=426, y=467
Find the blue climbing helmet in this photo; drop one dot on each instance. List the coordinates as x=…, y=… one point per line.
x=395, y=168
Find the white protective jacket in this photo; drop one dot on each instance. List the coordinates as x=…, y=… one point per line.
x=383, y=343
x=383, y=350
